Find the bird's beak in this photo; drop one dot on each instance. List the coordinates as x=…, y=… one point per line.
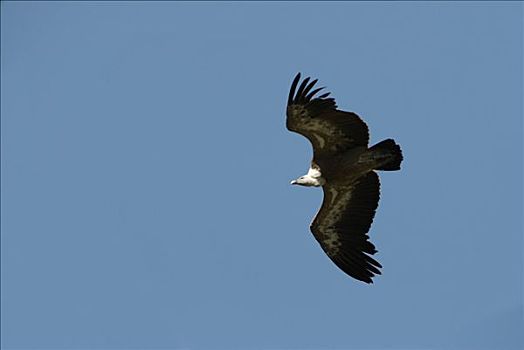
x=294, y=182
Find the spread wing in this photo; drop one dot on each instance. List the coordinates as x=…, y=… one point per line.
x=342, y=224
x=316, y=117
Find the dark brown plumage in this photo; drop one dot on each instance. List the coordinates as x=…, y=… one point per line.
x=345, y=168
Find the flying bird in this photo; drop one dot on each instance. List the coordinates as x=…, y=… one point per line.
x=345, y=167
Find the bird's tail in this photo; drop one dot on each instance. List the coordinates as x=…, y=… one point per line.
x=388, y=155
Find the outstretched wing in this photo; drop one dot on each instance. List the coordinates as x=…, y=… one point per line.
x=342, y=224
x=330, y=130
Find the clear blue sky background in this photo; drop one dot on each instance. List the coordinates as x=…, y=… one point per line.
x=146, y=166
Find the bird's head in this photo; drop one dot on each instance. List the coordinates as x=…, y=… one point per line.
x=308, y=181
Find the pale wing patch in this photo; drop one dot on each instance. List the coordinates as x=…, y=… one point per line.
x=320, y=140
x=317, y=129
x=322, y=130
x=334, y=194
x=330, y=237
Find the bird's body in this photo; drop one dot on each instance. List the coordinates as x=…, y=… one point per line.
x=345, y=168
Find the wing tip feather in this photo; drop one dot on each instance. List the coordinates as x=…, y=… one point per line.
x=304, y=93
x=293, y=88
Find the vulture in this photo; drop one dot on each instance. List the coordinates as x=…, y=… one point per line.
x=346, y=168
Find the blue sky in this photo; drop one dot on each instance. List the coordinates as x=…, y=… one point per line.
x=146, y=166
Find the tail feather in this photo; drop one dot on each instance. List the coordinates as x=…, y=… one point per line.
x=389, y=150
